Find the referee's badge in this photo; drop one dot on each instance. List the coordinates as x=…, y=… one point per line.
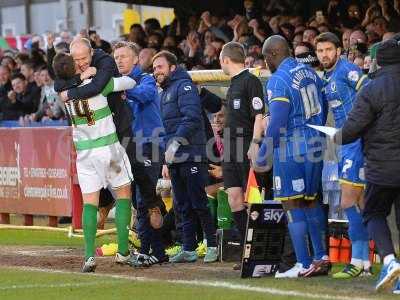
x=257, y=103
x=236, y=103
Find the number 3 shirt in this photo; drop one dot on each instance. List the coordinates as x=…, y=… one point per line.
x=299, y=86
x=341, y=86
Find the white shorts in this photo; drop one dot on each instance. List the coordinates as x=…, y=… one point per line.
x=102, y=167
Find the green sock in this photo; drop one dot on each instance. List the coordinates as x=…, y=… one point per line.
x=89, y=219
x=122, y=222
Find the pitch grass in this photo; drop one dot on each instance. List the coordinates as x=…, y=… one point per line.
x=101, y=288
x=34, y=285
x=11, y=237
x=17, y=284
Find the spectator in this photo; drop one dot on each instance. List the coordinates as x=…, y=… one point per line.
x=390, y=14
x=218, y=44
x=304, y=53
x=259, y=29
x=323, y=28
x=372, y=12
x=52, y=50
x=346, y=39
x=380, y=25
x=260, y=62
x=359, y=61
x=249, y=61
x=250, y=9
x=151, y=26
x=192, y=34
x=358, y=50
x=21, y=58
x=253, y=46
x=372, y=37
x=65, y=37
x=98, y=43
x=193, y=47
x=27, y=69
x=274, y=23
x=50, y=106
x=309, y=35
x=9, y=62
x=22, y=99
x=210, y=58
x=302, y=48
x=217, y=26
x=137, y=35
x=155, y=40
x=145, y=59
x=36, y=76
x=297, y=39
x=287, y=30
x=208, y=38
x=5, y=88
x=357, y=37
x=218, y=128
x=354, y=12
x=354, y=16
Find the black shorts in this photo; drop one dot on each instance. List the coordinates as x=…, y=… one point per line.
x=379, y=201
x=236, y=165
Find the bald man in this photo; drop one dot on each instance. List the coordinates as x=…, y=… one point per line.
x=84, y=57
x=294, y=95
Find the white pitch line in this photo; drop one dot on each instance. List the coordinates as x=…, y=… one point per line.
x=264, y=290
x=50, y=286
x=212, y=284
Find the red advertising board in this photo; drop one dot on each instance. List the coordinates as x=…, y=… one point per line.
x=35, y=171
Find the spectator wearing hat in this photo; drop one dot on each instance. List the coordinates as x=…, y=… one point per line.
x=304, y=53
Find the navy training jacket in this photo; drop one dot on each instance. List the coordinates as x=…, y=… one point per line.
x=182, y=117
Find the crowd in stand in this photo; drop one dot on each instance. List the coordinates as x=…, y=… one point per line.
x=26, y=81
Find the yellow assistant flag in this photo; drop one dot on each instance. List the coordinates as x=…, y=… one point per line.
x=253, y=194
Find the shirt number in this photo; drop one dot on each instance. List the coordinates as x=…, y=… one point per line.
x=82, y=110
x=309, y=95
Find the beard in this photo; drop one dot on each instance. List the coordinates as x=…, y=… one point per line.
x=160, y=78
x=329, y=64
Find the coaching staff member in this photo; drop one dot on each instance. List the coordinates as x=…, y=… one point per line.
x=185, y=155
x=376, y=119
x=244, y=108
